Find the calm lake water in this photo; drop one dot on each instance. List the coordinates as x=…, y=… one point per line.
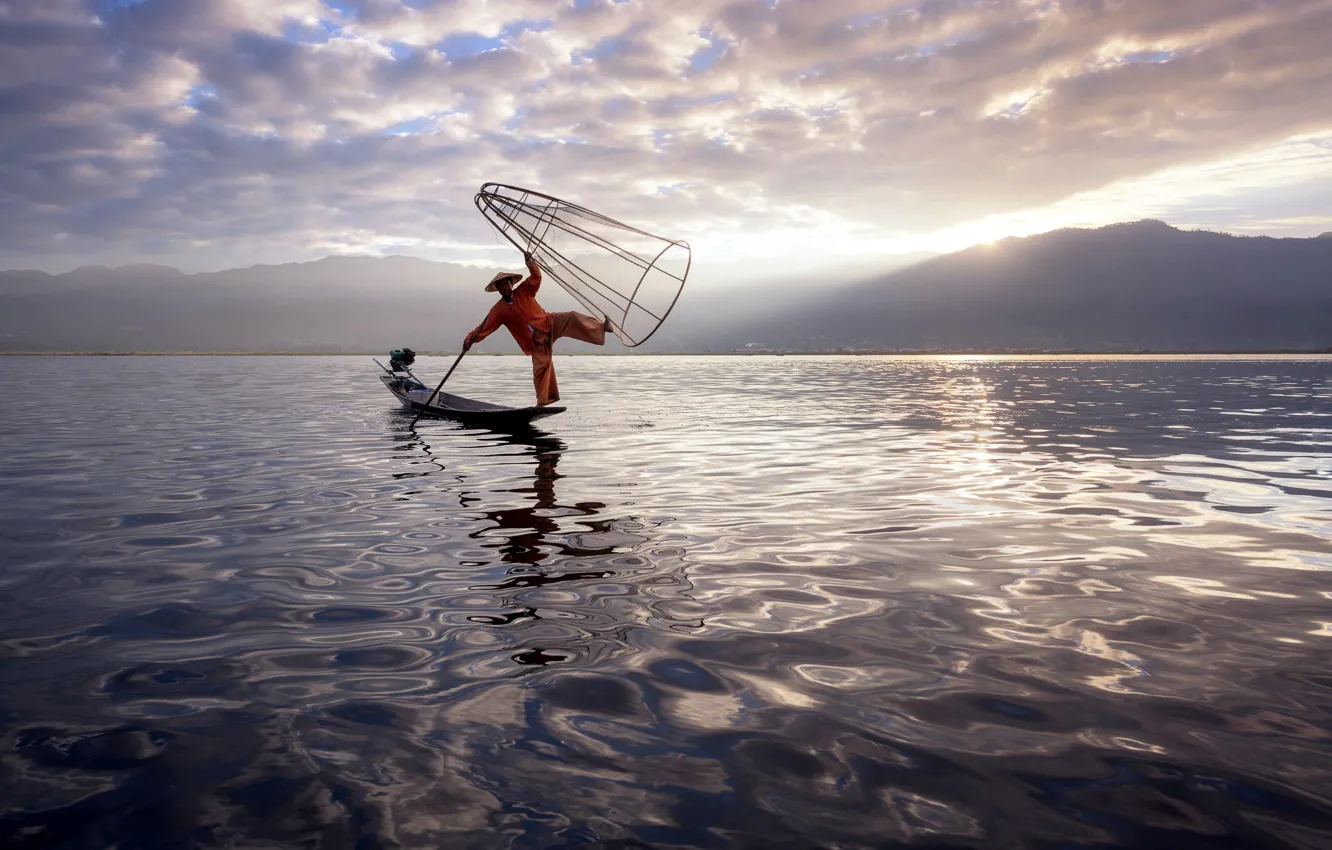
x=721, y=602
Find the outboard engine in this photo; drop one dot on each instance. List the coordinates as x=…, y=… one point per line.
x=401, y=359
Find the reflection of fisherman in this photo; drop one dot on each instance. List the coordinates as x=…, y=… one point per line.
x=533, y=328
x=528, y=532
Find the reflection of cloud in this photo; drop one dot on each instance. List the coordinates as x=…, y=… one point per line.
x=772, y=603
x=705, y=710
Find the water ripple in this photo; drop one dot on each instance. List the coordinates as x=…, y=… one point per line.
x=847, y=602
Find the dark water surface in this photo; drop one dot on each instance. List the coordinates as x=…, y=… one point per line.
x=722, y=602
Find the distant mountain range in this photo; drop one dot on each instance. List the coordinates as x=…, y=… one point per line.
x=1144, y=285
x=1139, y=286
x=334, y=304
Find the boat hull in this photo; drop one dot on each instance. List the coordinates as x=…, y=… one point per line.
x=413, y=396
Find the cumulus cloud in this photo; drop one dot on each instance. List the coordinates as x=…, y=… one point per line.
x=222, y=132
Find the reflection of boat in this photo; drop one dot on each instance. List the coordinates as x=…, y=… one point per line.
x=414, y=395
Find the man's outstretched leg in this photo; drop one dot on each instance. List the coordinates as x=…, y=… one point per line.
x=578, y=326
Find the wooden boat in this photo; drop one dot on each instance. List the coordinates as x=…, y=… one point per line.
x=413, y=394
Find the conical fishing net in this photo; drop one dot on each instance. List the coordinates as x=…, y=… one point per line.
x=611, y=268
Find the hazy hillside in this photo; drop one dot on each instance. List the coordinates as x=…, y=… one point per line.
x=335, y=304
x=1133, y=286
x=1144, y=285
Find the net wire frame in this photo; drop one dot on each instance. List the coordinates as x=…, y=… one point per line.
x=611, y=268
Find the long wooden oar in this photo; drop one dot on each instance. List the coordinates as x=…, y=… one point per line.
x=431, y=400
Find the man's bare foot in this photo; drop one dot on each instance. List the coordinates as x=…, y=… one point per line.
x=607, y=326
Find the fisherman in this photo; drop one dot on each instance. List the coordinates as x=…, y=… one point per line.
x=533, y=328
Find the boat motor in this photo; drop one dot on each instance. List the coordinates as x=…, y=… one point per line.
x=401, y=359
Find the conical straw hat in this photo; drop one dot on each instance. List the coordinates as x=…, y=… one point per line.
x=490, y=287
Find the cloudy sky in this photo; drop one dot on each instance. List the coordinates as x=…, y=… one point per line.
x=216, y=133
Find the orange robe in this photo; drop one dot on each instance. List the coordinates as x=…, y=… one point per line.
x=535, y=331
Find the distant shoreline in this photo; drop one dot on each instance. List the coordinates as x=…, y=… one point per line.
x=905, y=353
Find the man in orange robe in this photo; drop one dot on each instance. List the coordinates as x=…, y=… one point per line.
x=533, y=328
